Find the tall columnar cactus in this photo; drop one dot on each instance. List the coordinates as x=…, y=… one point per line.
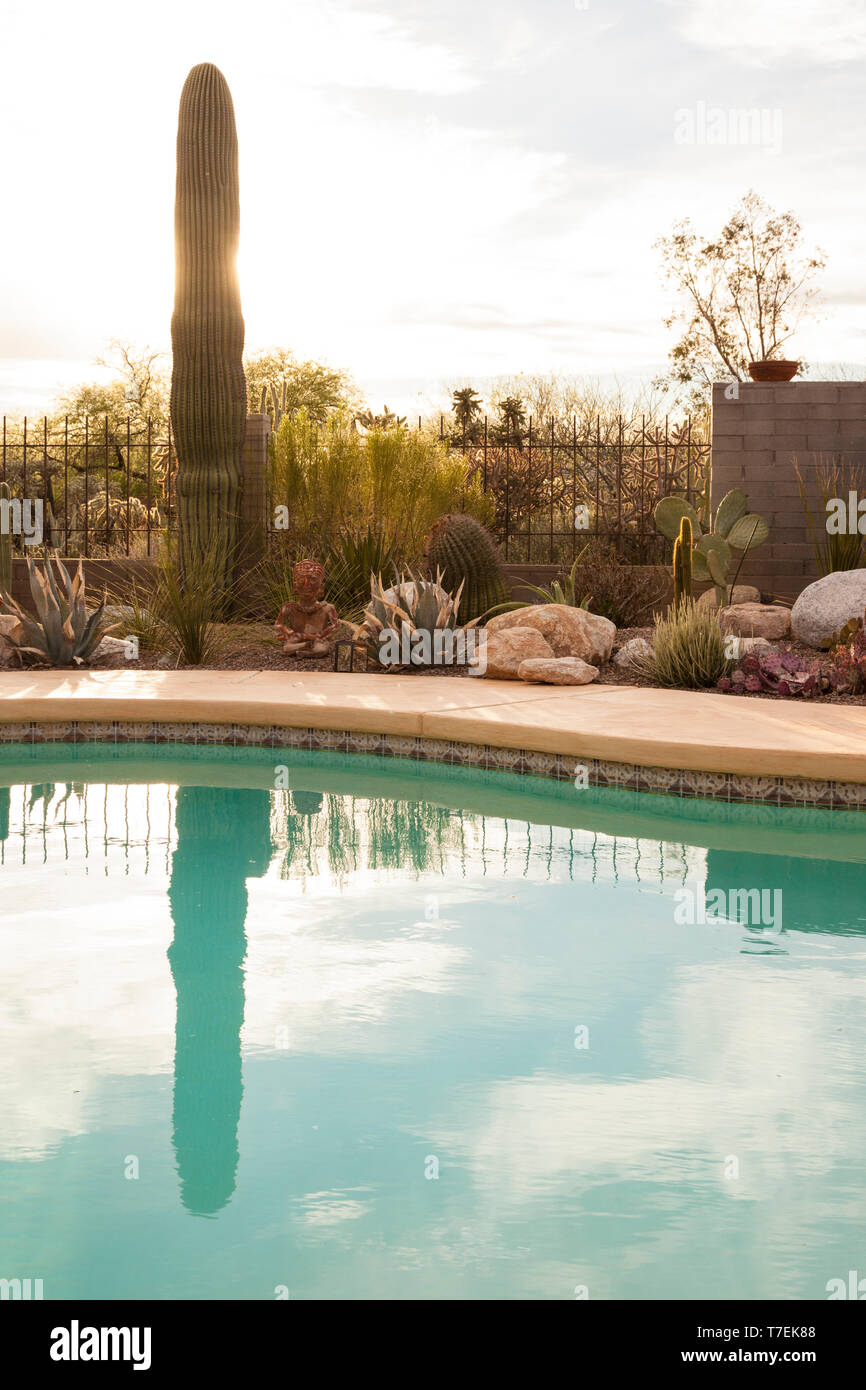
x=466, y=553
x=208, y=388
x=683, y=564
x=5, y=542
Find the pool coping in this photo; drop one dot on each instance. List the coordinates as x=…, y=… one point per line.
x=685, y=743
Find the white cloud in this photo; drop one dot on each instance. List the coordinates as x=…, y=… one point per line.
x=827, y=31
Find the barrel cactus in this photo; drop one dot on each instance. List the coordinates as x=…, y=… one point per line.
x=5, y=541
x=208, y=388
x=467, y=555
x=734, y=527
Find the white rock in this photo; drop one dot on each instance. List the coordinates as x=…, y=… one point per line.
x=557, y=670
x=632, y=652
x=825, y=607
x=110, y=646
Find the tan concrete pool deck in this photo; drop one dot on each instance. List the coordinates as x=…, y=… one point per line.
x=689, y=730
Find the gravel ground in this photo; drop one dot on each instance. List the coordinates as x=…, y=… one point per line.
x=253, y=647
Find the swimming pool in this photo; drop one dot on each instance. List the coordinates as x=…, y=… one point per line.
x=285, y=1024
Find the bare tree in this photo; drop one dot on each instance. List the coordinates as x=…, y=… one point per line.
x=741, y=295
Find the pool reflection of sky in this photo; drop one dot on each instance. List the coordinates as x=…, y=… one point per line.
x=284, y=1043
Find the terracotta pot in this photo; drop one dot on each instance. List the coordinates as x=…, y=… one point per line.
x=773, y=370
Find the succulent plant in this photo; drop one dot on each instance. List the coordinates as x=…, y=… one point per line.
x=6, y=545
x=776, y=673
x=63, y=633
x=734, y=528
x=467, y=556
x=846, y=671
x=564, y=590
x=274, y=404
x=411, y=606
x=683, y=564
x=208, y=387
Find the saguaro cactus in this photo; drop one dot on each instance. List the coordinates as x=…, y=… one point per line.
x=208, y=388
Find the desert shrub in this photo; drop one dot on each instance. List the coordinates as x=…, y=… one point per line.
x=688, y=649
x=333, y=482
x=627, y=594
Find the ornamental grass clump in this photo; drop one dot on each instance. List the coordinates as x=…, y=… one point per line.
x=688, y=649
x=181, y=609
x=327, y=480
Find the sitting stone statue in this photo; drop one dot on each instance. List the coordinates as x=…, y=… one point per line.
x=306, y=622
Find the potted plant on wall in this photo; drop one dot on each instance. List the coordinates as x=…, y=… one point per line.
x=773, y=369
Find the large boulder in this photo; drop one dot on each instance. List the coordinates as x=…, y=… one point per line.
x=569, y=631
x=557, y=670
x=825, y=607
x=503, y=652
x=756, y=620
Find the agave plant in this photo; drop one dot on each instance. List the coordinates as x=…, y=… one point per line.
x=406, y=617
x=63, y=633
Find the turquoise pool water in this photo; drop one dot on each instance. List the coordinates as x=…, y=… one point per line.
x=299, y=1025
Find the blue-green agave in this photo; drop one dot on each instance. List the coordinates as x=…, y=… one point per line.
x=63, y=632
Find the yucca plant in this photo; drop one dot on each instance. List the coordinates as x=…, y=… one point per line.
x=63, y=633
x=565, y=590
x=688, y=649
x=349, y=563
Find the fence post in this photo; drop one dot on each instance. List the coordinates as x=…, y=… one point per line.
x=254, y=503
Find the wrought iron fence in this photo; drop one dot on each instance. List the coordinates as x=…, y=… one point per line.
x=106, y=487
x=559, y=484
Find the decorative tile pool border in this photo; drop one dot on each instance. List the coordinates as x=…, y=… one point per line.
x=721, y=786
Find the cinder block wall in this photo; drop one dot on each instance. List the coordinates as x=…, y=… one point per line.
x=756, y=440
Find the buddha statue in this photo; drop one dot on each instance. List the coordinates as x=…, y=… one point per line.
x=305, y=622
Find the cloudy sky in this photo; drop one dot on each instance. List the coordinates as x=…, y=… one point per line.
x=429, y=191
